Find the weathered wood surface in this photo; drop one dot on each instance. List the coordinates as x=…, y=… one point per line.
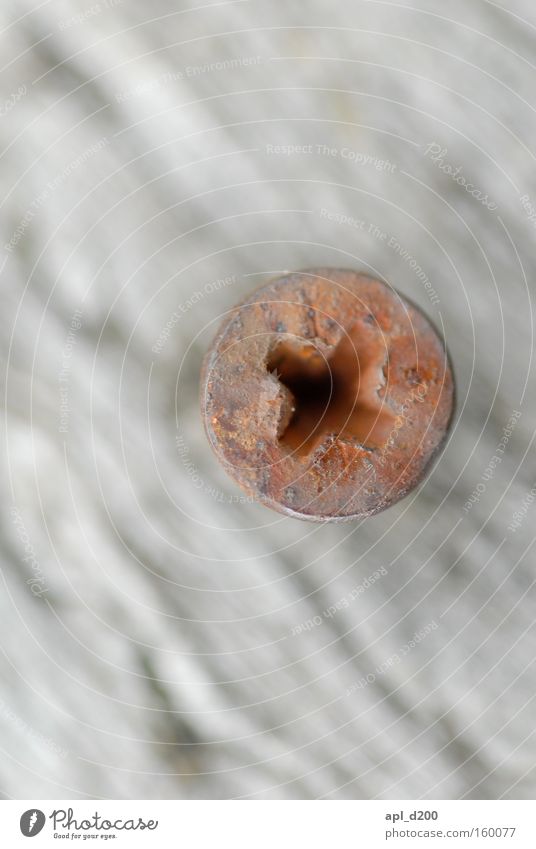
x=153, y=637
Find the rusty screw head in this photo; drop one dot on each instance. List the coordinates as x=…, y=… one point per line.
x=326, y=394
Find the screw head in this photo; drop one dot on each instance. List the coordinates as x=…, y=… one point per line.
x=327, y=394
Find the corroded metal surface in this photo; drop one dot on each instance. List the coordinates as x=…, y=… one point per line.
x=326, y=395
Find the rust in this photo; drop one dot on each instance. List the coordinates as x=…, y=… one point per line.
x=326, y=395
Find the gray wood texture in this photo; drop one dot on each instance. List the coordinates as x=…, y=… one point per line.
x=163, y=636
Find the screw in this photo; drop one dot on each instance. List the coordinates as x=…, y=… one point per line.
x=326, y=395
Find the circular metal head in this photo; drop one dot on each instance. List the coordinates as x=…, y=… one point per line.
x=326, y=395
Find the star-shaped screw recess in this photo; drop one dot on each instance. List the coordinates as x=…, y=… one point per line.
x=340, y=393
